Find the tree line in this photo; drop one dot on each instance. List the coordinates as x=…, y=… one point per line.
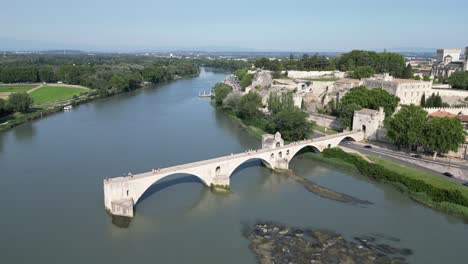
x=106, y=78
x=411, y=127
x=362, y=63
x=106, y=75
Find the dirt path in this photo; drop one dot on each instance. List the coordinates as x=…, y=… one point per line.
x=35, y=88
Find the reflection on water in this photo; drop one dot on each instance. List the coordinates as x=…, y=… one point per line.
x=25, y=132
x=121, y=221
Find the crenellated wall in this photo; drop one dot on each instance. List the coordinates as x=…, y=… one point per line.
x=452, y=110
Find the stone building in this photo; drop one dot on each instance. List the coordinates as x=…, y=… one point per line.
x=371, y=122
x=408, y=90
x=448, y=62
x=448, y=55
x=272, y=141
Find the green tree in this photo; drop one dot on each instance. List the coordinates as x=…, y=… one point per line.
x=346, y=113
x=231, y=101
x=362, y=72
x=19, y=102
x=292, y=124
x=248, y=106
x=380, y=98
x=278, y=103
x=459, y=80
x=408, y=72
x=370, y=98
x=444, y=134
x=246, y=81
x=423, y=100
x=406, y=128
x=240, y=73
x=381, y=62
x=221, y=90
x=426, y=77
x=45, y=74
x=435, y=100
x=358, y=95
x=3, y=108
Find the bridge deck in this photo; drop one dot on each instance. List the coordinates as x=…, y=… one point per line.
x=185, y=166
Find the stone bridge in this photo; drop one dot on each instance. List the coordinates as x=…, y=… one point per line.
x=122, y=193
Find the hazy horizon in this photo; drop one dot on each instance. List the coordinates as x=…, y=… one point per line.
x=208, y=25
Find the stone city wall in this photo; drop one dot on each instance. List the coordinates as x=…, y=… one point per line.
x=315, y=74
x=325, y=120
x=452, y=110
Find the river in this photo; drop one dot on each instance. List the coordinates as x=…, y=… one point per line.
x=51, y=192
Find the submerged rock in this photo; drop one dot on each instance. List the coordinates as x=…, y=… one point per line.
x=282, y=244
x=323, y=191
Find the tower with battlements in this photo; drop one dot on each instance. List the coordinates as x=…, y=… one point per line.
x=465, y=64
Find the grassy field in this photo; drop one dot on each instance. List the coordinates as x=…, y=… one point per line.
x=5, y=88
x=429, y=178
x=48, y=93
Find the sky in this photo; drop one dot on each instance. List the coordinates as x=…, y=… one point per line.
x=241, y=25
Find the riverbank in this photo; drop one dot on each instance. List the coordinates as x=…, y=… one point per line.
x=427, y=189
x=424, y=188
x=49, y=108
x=44, y=110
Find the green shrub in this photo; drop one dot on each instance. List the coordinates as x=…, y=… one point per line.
x=380, y=173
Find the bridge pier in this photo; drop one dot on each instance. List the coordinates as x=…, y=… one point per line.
x=122, y=207
x=221, y=182
x=281, y=164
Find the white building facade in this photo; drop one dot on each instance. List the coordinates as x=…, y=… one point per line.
x=408, y=90
x=448, y=62
x=371, y=122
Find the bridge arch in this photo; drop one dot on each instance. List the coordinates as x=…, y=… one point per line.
x=145, y=187
x=311, y=147
x=264, y=161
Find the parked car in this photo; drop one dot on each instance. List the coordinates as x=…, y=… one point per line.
x=418, y=155
x=448, y=174
x=368, y=146
x=465, y=184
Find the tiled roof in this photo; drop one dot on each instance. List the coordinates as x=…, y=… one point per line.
x=463, y=118
x=442, y=114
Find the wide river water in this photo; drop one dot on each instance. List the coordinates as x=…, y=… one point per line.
x=51, y=192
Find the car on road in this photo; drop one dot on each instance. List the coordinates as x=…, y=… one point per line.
x=465, y=184
x=418, y=155
x=368, y=146
x=448, y=174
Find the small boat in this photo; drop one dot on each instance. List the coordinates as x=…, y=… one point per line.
x=204, y=94
x=67, y=108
